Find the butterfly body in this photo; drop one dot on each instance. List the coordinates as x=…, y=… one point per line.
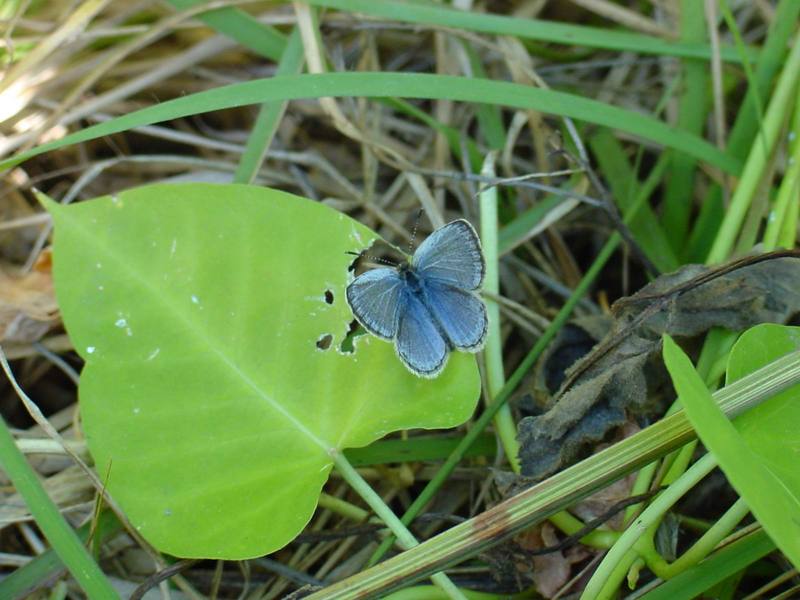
x=430, y=305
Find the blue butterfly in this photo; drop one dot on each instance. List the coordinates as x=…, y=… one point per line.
x=430, y=305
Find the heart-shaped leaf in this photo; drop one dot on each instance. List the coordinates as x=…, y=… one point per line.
x=205, y=398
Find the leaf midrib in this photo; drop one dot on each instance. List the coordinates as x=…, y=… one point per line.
x=162, y=299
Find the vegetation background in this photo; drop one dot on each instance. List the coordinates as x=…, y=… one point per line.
x=616, y=140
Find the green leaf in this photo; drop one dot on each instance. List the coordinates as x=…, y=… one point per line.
x=771, y=428
x=198, y=309
x=774, y=504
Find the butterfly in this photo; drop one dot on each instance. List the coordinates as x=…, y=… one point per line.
x=429, y=305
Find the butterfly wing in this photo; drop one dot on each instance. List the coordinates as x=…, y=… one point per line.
x=461, y=315
x=452, y=255
x=419, y=344
x=374, y=297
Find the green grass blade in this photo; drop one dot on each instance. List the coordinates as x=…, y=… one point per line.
x=21, y=582
x=490, y=118
x=240, y=26
x=746, y=126
x=758, y=159
x=532, y=29
x=269, y=116
x=625, y=187
x=691, y=117
x=406, y=85
x=58, y=532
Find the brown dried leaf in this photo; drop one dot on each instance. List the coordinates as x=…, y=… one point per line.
x=621, y=377
x=28, y=307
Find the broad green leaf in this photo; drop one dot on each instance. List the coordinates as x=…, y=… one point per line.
x=772, y=429
x=205, y=400
x=775, y=506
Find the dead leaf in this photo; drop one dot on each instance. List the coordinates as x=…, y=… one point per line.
x=623, y=376
x=28, y=308
x=520, y=561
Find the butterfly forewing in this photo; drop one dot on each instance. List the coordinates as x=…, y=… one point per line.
x=374, y=298
x=419, y=344
x=461, y=315
x=452, y=255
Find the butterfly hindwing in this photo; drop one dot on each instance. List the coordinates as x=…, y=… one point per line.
x=461, y=315
x=419, y=344
x=452, y=255
x=374, y=298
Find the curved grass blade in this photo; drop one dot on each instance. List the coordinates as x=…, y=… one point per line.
x=404, y=85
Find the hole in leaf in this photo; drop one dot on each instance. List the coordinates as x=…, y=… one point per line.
x=353, y=331
x=328, y=297
x=324, y=342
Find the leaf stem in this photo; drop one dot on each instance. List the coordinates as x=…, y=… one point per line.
x=404, y=537
x=493, y=353
x=604, y=576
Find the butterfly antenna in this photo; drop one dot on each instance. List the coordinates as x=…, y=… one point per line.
x=414, y=232
x=376, y=259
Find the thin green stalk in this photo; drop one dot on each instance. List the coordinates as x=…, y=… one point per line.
x=343, y=508
x=493, y=352
x=606, y=576
x=782, y=222
x=758, y=158
x=702, y=547
x=58, y=532
x=269, y=115
x=726, y=562
x=376, y=503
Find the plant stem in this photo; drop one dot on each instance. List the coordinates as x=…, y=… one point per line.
x=493, y=353
x=376, y=503
x=702, y=547
x=602, y=577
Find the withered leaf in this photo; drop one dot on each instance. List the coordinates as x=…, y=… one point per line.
x=28, y=307
x=619, y=379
